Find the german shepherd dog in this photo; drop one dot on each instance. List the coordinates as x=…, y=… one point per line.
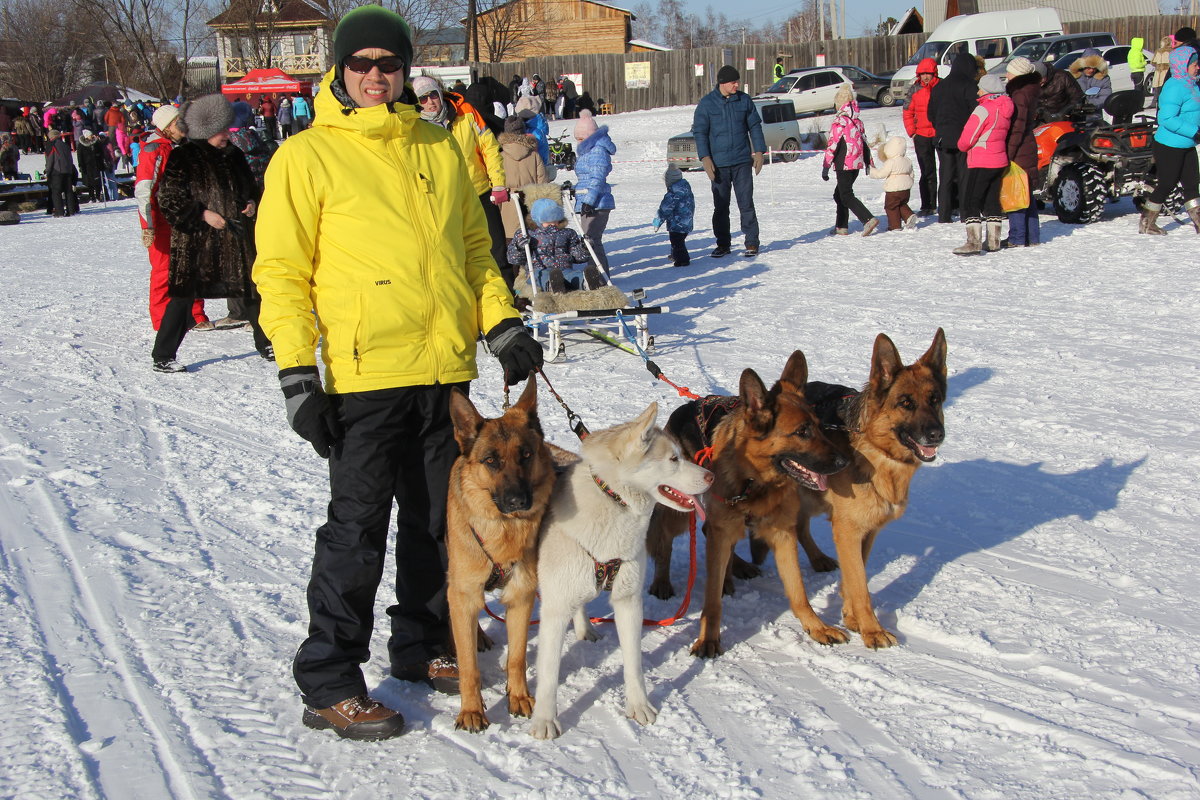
x=764, y=450
x=499, y=490
x=891, y=427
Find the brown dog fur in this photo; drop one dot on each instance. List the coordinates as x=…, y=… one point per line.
x=893, y=425
x=499, y=489
x=763, y=452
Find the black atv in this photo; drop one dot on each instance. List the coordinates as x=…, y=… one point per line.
x=1085, y=162
x=561, y=152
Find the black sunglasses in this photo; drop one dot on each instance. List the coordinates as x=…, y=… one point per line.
x=427, y=95
x=362, y=65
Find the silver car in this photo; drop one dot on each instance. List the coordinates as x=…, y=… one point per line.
x=779, y=127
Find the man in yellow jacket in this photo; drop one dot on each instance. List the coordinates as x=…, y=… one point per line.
x=371, y=239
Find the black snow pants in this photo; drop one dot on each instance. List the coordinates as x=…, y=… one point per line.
x=399, y=444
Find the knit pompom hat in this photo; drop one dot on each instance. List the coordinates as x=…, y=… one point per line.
x=546, y=210
x=586, y=125
x=207, y=116
x=372, y=26
x=672, y=174
x=423, y=85
x=1019, y=66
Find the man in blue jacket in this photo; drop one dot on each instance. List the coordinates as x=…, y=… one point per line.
x=729, y=141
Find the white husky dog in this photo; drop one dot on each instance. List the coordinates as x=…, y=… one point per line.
x=594, y=538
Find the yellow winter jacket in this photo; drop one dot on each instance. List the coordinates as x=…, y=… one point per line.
x=479, y=148
x=369, y=219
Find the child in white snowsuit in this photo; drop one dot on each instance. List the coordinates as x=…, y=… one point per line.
x=677, y=210
x=555, y=251
x=896, y=172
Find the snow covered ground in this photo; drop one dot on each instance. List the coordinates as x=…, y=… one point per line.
x=156, y=531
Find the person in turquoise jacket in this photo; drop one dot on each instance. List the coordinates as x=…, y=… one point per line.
x=1175, y=141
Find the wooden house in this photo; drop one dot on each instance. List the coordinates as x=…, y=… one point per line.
x=522, y=29
x=292, y=35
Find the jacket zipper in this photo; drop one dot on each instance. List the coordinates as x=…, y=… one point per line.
x=416, y=183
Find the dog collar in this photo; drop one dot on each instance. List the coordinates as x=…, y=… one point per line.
x=499, y=575
x=604, y=487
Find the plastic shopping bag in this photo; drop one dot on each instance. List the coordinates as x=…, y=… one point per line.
x=1014, y=189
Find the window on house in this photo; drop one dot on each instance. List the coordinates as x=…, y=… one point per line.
x=302, y=44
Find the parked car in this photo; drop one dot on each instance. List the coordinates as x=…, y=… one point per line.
x=779, y=126
x=1118, y=64
x=868, y=86
x=811, y=90
x=1051, y=48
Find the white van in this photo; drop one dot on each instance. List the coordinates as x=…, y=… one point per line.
x=992, y=34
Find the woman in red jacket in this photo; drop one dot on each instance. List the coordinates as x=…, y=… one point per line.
x=918, y=125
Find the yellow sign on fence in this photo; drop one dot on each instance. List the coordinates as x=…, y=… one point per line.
x=637, y=74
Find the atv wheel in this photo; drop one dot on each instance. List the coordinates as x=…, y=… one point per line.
x=1079, y=194
x=885, y=98
x=791, y=151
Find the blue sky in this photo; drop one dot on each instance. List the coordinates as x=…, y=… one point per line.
x=859, y=13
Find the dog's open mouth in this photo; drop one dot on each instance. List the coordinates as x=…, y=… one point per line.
x=924, y=452
x=682, y=500
x=804, y=475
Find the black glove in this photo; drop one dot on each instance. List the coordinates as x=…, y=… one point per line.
x=309, y=411
x=517, y=351
x=589, y=209
x=825, y=172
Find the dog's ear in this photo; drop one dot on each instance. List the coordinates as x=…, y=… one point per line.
x=935, y=356
x=527, y=405
x=885, y=364
x=644, y=424
x=795, y=373
x=467, y=421
x=754, y=399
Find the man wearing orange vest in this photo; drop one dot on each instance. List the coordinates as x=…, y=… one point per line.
x=156, y=233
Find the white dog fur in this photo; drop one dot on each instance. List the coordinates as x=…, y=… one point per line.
x=643, y=466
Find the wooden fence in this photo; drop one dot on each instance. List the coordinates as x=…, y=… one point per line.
x=673, y=78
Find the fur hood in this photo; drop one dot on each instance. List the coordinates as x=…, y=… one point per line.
x=517, y=145
x=1083, y=62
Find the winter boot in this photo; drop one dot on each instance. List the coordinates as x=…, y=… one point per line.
x=974, y=245
x=359, y=718
x=556, y=282
x=1192, y=207
x=592, y=278
x=993, y=236
x=1149, y=221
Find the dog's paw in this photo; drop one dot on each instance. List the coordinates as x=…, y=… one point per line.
x=663, y=589
x=520, y=705
x=877, y=640
x=587, y=632
x=707, y=648
x=743, y=570
x=823, y=563
x=471, y=722
x=829, y=635
x=642, y=713
x=545, y=728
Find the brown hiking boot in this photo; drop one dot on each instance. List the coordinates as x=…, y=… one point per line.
x=359, y=718
x=441, y=673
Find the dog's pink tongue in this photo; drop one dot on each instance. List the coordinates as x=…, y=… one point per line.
x=820, y=480
x=927, y=452
x=696, y=506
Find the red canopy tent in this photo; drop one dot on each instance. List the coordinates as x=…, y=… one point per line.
x=266, y=81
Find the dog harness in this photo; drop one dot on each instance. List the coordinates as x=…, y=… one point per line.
x=606, y=571
x=832, y=403
x=500, y=575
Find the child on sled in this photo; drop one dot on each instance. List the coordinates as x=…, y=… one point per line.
x=557, y=253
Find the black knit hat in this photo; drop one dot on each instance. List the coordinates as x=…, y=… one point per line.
x=514, y=124
x=727, y=74
x=372, y=26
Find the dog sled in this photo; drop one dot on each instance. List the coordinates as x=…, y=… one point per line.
x=598, y=309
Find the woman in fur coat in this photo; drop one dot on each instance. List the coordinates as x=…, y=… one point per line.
x=522, y=166
x=1024, y=86
x=209, y=197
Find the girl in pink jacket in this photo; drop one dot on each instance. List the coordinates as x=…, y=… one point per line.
x=847, y=153
x=983, y=140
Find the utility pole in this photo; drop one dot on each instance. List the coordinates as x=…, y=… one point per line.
x=821, y=18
